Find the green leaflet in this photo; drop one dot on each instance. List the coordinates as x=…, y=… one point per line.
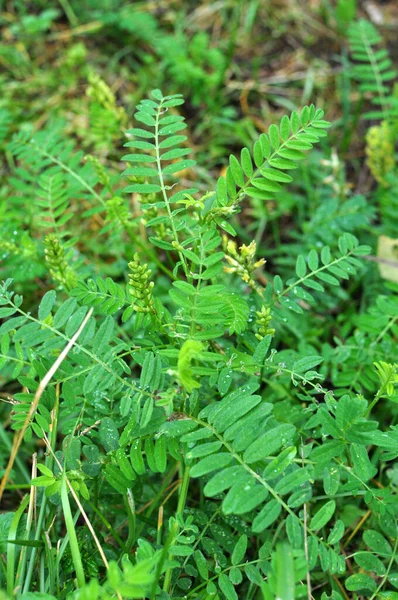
x=323, y=515
x=211, y=463
x=269, y=443
x=268, y=515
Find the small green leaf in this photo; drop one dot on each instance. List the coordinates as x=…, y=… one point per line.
x=103, y=335
x=180, y=551
x=147, y=412
x=360, y=583
x=174, y=140
x=326, y=256
x=227, y=588
x=278, y=284
x=313, y=260
x=140, y=133
x=275, y=175
x=45, y=470
x=336, y=533
x=140, y=145
x=369, y=562
x=236, y=170
x=269, y=442
x=239, y=550
x=280, y=463
x=108, y=434
x=211, y=463
x=173, y=154
x=203, y=450
x=116, y=479
x=377, y=542
x=246, y=162
x=273, y=133
x=178, y=166
x=42, y=481
x=141, y=172
x=142, y=188
x=267, y=515
x=201, y=564
x=323, y=515
x=262, y=349
x=46, y=304
x=301, y=267
x=285, y=128
x=306, y=363
x=224, y=479
x=145, y=118
x=143, y=158
x=283, y=164
x=160, y=454
x=363, y=468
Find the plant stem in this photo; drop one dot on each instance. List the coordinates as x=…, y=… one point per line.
x=37, y=537
x=70, y=527
x=11, y=548
x=174, y=532
x=374, y=401
x=130, y=508
x=165, y=198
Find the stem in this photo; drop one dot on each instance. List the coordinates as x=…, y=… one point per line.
x=37, y=537
x=11, y=548
x=32, y=504
x=70, y=527
x=174, y=532
x=130, y=508
x=68, y=10
x=165, y=198
x=49, y=464
x=374, y=402
x=183, y=492
x=386, y=574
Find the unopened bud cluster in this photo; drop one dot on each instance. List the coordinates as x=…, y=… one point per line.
x=242, y=261
x=103, y=176
x=117, y=212
x=263, y=319
x=100, y=92
x=139, y=286
x=55, y=258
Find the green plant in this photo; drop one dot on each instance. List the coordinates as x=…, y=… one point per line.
x=203, y=439
x=374, y=71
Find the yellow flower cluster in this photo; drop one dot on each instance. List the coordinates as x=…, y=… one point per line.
x=242, y=261
x=263, y=319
